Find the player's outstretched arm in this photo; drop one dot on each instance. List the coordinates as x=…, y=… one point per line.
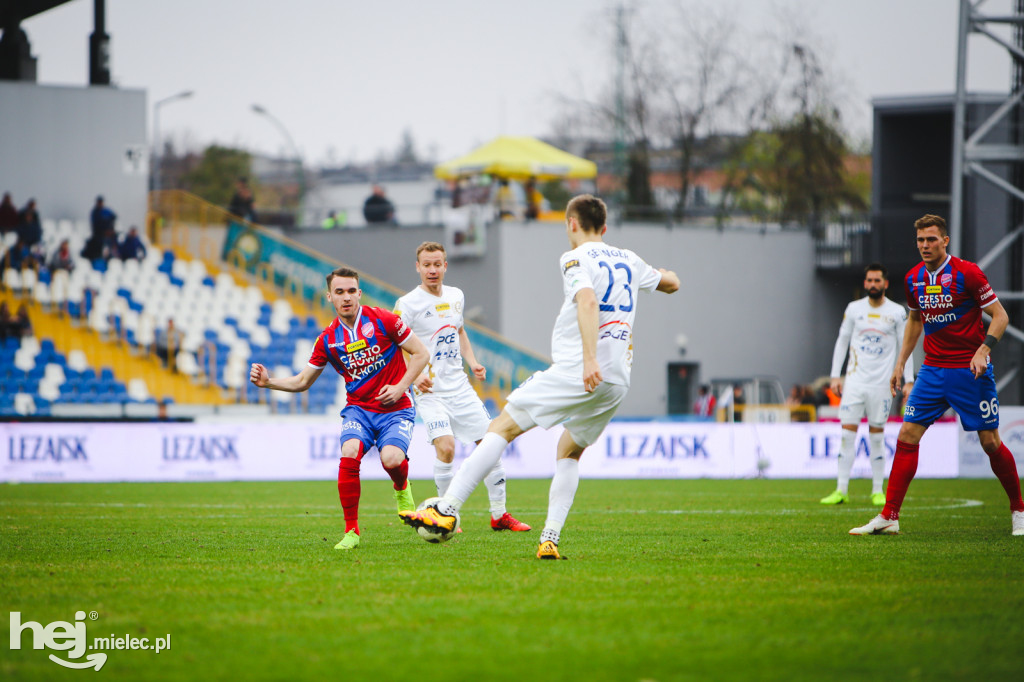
x=587, y=317
x=996, y=328
x=910, y=336
x=669, y=283
x=259, y=376
x=479, y=371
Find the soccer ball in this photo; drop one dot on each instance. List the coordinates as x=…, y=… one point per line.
x=435, y=535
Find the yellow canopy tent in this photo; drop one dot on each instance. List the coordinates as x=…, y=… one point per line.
x=517, y=158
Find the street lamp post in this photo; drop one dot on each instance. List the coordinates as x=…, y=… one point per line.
x=156, y=133
x=301, y=176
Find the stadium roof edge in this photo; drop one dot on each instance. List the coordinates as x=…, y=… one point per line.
x=935, y=99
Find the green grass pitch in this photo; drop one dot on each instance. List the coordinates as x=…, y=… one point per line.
x=666, y=580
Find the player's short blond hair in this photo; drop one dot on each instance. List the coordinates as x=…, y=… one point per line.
x=590, y=211
x=430, y=247
x=931, y=220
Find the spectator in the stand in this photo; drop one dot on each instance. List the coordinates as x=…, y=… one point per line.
x=102, y=219
x=101, y=247
x=534, y=199
x=738, y=401
x=62, y=258
x=19, y=256
x=704, y=406
x=8, y=214
x=21, y=325
x=30, y=229
x=505, y=200
x=5, y=321
x=131, y=246
x=168, y=342
x=242, y=201
x=378, y=208
x=333, y=220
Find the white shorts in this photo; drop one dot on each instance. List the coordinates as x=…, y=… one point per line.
x=548, y=398
x=858, y=401
x=461, y=414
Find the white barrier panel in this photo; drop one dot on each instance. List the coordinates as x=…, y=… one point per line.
x=289, y=450
x=973, y=460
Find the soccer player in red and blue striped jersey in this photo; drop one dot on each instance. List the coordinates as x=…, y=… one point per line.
x=364, y=345
x=946, y=296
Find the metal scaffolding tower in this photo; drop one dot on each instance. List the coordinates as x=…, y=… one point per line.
x=972, y=156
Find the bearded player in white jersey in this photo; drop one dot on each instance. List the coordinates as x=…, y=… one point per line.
x=446, y=402
x=872, y=330
x=592, y=352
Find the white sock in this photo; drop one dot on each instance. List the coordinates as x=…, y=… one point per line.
x=847, y=452
x=443, y=473
x=563, y=489
x=877, y=455
x=473, y=470
x=495, y=483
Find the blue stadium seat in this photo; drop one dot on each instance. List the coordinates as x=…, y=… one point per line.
x=107, y=374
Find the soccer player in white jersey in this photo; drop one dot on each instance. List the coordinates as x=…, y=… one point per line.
x=445, y=400
x=872, y=330
x=592, y=352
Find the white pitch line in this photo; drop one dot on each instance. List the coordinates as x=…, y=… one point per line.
x=957, y=503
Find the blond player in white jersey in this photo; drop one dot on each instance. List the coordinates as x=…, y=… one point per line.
x=592, y=350
x=872, y=330
x=445, y=400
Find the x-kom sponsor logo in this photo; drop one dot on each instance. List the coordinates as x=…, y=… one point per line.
x=62, y=636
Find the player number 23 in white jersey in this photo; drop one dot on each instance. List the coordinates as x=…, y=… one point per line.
x=616, y=277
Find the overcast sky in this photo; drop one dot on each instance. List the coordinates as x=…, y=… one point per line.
x=350, y=76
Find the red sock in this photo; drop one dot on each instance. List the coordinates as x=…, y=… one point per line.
x=348, y=491
x=904, y=466
x=1005, y=469
x=400, y=474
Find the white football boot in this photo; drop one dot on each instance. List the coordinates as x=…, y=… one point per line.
x=878, y=526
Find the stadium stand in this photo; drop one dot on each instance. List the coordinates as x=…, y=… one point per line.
x=138, y=315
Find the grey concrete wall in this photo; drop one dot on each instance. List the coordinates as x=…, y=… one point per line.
x=749, y=303
x=65, y=145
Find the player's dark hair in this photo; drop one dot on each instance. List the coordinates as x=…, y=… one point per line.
x=590, y=211
x=341, y=272
x=877, y=267
x=931, y=220
x=430, y=247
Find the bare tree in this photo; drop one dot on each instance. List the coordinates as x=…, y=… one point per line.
x=707, y=77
